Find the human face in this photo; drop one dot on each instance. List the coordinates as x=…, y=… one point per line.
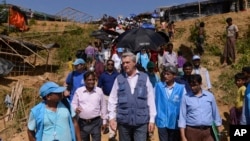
x=188, y=70
x=90, y=82
x=128, y=65
x=110, y=66
x=196, y=88
x=239, y=82
x=79, y=67
x=169, y=77
x=54, y=97
x=196, y=62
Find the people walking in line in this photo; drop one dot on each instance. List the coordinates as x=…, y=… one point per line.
x=89, y=103
x=52, y=119
x=131, y=102
x=198, y=112
x=168, y=95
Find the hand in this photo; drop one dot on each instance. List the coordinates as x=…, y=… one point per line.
x=78, y=110
x=113, y=124
x=66, y=93
x=151, y=127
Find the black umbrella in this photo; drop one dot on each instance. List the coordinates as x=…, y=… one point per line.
x=100, y=34
x=111, y=32
x=164, y=35
x=139, y=38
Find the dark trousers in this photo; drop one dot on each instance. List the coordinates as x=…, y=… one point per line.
x=90, y=128
x=195, y=134
x=132, y=133
x=166, y=134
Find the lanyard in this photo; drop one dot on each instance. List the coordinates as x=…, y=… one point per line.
x=54, y=123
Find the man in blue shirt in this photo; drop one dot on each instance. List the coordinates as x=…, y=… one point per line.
x=198, y=112
x=106, y=81
x=74, y=79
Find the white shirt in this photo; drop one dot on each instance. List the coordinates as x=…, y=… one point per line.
x=106, y=53
x=170, y=59
x=231, y=30
x=117, y=61
x=132, y=80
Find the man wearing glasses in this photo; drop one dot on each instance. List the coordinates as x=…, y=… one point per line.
x=106, y=81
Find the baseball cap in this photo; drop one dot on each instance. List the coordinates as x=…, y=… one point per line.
x=119, y=49
x=196, y=57
x=79, y=61
x=50, y=87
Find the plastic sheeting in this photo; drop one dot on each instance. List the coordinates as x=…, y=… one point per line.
x=6, y=67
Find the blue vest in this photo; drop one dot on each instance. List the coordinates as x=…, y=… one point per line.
x=168, y=108
x=38, y=112
x=132, y=109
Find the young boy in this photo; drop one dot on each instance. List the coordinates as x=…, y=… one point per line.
x=235, y=112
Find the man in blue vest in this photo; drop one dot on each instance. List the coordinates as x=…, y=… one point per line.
x=53, y=119
x=168, y=95
x=131, y=102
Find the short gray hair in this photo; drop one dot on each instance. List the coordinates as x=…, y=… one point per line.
x=129, y=54
x=170, y=68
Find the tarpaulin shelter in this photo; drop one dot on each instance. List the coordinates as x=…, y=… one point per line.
x=23, y=54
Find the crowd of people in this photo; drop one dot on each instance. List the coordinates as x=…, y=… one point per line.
x=116, y=92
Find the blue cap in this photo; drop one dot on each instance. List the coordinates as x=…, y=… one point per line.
x=50, y=87
x=119, y=49
x=79, y=61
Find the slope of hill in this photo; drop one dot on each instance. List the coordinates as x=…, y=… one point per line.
x=215, y=28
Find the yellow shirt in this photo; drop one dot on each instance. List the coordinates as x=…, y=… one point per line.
x=70, y=65
x=240, y=97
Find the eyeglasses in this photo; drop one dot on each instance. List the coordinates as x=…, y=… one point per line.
x=109, y=64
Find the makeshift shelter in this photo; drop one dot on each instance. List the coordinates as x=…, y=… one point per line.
x=23, y=54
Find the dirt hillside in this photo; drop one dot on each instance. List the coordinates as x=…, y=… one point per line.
x=214, y=25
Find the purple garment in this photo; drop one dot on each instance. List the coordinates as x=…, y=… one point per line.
x=235, y=116
x=181, y=61
x=90, y=51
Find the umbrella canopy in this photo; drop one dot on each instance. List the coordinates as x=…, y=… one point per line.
x=100, y=34
x=164, y=35
x=139, y=38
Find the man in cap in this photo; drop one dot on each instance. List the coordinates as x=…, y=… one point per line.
x=198, y=69
x=75, y=79
x=116, y=57
x=51, y=119
x=153, y=77
x=168, y=95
